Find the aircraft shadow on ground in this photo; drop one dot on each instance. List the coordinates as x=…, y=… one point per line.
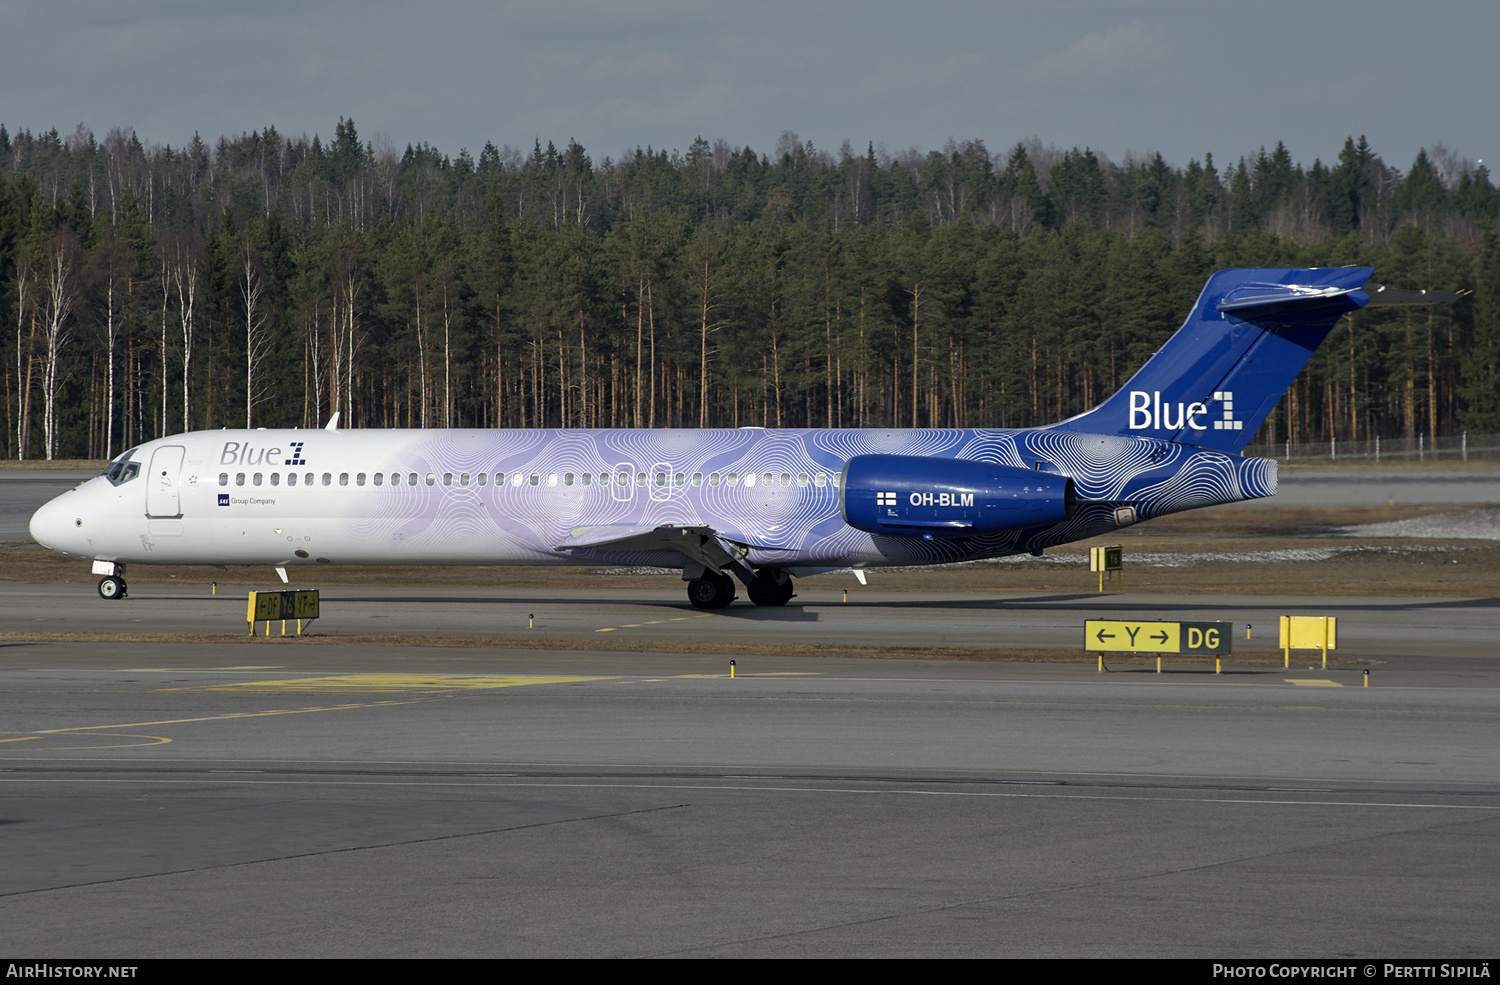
x=1096, y=603
x=808, y=611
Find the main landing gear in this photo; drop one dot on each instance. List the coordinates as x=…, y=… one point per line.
x=764, y=588
x=715, y=590
x=712, y=591
x=112, y=587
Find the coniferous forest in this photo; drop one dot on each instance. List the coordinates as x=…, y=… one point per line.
x=268, y=281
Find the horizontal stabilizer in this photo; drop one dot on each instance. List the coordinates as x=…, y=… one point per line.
x=1252, y=300
x=1385, y=297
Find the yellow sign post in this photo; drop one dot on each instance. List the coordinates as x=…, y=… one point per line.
x=1110, y=563
x=1309, y=633
x=301, y=604
x=1150, y=636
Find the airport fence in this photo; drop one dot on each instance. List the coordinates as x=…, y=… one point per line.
x=1458, y=446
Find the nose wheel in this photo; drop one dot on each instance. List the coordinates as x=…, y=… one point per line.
x=111, y=587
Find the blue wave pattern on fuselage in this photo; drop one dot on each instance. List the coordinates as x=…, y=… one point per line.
x=791, y=524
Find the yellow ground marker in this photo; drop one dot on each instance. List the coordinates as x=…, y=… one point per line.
x=654, y=622
x=393, y=683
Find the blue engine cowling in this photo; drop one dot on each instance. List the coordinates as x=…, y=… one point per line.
x=912, y=496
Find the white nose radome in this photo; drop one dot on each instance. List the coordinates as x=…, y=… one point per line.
x=58, y=525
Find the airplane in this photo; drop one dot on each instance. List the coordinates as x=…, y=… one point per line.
x=764, y=506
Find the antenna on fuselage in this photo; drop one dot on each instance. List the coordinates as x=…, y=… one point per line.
x=333, y=422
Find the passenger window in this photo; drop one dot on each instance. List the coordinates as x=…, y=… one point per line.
x=588, y=478
x=463, y=478
x=640, y=478
x=749, y=479
x=713, y=478
x=786, y=478
x=801, y=478
x=768, y=479
x=291, y=478
x=327, y=478
x=447, y=478
x=678, y=479
x=517, y=478
x=567, y=478
x=551, y=478
x=482, y=477
x=623, y=479
x=536, y=479
x=223, y=478
x=697, y=478
x=255, y=480
x=733, y=479
x=275, y=478
x=661, y=478
x=239, y=478
x=359, y=480
x=411, y=478
x=431, y=479
x=343, y=478
x=820, y=480
x=379, y=478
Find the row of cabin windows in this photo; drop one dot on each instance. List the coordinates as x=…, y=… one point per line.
x=818, y=479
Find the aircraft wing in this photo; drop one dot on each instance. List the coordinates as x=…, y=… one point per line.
x=698, y=543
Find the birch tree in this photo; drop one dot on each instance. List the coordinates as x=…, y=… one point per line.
x=257, y=339
x=110, y=257
x=60, y=293
x=706, y=271
x=183, y=274
x=23, y=283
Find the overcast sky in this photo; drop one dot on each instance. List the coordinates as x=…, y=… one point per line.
x=1132, y=76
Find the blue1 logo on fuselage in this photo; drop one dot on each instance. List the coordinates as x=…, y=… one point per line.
x=244, y=453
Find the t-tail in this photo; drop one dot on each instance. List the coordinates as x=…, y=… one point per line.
x=1216, y=381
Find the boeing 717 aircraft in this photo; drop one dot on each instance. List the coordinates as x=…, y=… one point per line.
x=758, y=505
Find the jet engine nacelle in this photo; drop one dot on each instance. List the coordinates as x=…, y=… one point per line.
x=912, y=496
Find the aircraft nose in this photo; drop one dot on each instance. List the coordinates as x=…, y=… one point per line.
x=58, y=524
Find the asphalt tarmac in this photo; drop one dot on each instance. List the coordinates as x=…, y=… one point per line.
x=552, y=785
x=190, y=800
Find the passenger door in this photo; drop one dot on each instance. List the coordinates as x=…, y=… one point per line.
x=162, y=497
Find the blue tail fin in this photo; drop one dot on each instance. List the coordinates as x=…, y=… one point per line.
x=1247, y=338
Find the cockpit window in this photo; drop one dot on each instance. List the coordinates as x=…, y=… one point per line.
x=122, y=469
